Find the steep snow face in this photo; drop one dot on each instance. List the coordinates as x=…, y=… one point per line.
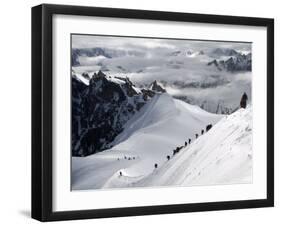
x=221, y=156
x=160, y=126
x=163, y=117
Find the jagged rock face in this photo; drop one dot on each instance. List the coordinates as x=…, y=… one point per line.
x=78, y=90
x=99, y=112
x=215, y=63
x=147, y=93
x=156, y=87
x=86, y=75
x=239, y=62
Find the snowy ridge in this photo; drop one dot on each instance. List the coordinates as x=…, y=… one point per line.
x=221, y=156
x=148, y=137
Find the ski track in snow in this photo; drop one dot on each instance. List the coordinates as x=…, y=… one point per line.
x=220, y=156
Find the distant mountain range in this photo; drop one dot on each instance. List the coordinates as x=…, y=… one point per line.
x=219, y=60
x=218, y=52
x=187, y=53
x=97, y=51
x=237, y=62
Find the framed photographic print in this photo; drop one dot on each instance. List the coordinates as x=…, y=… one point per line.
x=145, y=112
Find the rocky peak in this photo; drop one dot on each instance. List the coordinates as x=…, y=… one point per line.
x=224, y=52
x=128, y=86
x=240, y=62
x=147, y=93
x=86, y=75
x=157, y=87
x=215, y=63
x=100, y=111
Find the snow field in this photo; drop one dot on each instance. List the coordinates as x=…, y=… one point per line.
x=220, y=156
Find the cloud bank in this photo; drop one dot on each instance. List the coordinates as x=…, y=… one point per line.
x=180, y=65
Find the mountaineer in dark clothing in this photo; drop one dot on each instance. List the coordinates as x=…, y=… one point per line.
x=168, y=157
x=243, y=102
x=185, y=143
x=155, y=165
x=202, y=132
x=196, y=135
x=189, y=140
x=208, y=127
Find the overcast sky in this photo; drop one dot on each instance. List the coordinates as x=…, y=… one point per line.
x=128, y=43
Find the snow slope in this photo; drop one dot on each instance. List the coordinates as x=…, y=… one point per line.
x=221, y=156
x=153, y=133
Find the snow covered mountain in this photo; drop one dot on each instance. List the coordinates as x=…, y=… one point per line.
x=212, y=78
x=101, y=105
x=213, y=53
x=239, y=62
x=152, y=133
x=219, y=52
x=77, y=54
x=221, y=156
x=156, y=87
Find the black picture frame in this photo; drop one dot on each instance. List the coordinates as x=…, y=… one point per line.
x=42, y=111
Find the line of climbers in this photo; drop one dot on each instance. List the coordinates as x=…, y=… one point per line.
x=177, y=150
x=243, y=104
x=208, y=127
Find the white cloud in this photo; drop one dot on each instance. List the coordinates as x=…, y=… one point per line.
x=158, y=63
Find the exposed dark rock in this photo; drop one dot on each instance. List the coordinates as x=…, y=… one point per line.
x=86, y=75
x=157, y=87
x=243, y=101
x=224, y=52
x=239, y=62
x=215, y=62
x=100, y=111
x=147, y=93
